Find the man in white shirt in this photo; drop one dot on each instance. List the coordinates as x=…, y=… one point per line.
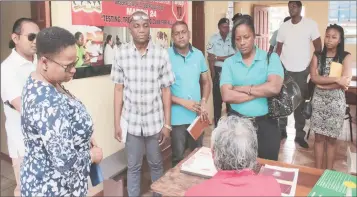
x=15, y=70
x=294, y=38
x=272, y=40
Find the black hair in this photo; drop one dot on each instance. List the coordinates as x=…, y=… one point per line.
x=51, y=41
x=109, y=37
x=77, y=35
x=298, y=3
x=178, y=23
x=17, y=27
x=340, y=52
x=287, y=18
x=242, y=20
x=236, y=16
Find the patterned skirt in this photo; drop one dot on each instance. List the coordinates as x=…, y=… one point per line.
x=328, y=112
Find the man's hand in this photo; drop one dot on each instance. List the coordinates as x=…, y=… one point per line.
x=118, y=134
x=204, y=113
x=164, y=134
x=211, y=57
x=192, y=105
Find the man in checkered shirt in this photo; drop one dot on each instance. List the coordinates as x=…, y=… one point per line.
x=142, y=75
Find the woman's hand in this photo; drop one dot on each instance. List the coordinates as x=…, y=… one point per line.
x=344, y=81
x=96, y=154
x=93, y=142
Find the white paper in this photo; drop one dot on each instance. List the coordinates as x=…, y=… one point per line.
x=293, y=183
x=124, y=129
x=201, y=163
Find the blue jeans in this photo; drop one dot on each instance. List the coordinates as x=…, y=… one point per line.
x=135, y=149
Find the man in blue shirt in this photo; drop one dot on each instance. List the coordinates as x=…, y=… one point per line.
x=219, y=48
x=191, y=74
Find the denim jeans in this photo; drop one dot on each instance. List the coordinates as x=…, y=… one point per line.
x=135, y=149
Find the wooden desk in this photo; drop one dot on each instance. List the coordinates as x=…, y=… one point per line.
x=175, y=183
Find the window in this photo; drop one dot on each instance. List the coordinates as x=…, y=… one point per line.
x=344, y=13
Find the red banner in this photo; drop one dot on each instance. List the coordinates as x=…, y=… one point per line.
x=116, y=13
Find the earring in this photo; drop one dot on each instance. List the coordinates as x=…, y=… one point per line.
x=45, y=69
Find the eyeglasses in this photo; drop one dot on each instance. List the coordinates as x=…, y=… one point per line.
x=67, y=67
x=138, y=17
x=31, y=36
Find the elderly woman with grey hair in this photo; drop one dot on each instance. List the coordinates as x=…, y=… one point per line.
x=234, y=148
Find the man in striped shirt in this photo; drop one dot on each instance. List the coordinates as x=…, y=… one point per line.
x=142, y=75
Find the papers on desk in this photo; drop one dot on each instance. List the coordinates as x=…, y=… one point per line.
x=286, y=177
x=200, y=164
x=333, y=183
x=197, y=127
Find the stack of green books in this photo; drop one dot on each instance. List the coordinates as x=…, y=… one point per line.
x=333, y=183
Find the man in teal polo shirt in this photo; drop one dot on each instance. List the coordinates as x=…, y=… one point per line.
x=191, y=74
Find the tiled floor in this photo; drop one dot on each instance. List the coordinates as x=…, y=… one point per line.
x=289, y=153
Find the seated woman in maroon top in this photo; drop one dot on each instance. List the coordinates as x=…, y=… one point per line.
x=234, y=147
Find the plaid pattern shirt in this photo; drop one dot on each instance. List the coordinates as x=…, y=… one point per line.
x=143, y=77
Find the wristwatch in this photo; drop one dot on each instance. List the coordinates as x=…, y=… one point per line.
x=168, y=127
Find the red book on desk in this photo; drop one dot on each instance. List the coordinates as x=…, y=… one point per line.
x=197, y=127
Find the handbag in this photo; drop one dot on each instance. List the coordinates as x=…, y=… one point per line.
x=288, y=99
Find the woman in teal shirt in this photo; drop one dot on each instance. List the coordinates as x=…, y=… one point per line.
x=247, y=80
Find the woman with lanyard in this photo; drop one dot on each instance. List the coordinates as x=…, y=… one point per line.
x=248, y=79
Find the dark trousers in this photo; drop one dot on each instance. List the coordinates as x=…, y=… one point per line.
x=301, y=79
x=268, y=136
x=180, y=141
x=217, y=97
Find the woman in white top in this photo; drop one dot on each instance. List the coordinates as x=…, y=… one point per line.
x=108, y=50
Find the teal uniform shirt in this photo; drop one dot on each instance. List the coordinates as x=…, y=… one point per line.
x=187, y=70
x=236, y=73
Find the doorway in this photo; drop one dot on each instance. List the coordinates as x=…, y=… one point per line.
x=198, y=25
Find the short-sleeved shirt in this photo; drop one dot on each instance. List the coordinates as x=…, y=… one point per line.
x=80, y=54
x=236, y=183
x=15, y=70
x=187, y=70
x=236, y=73
x=143, y=77
x=217, y=46
x=296, y=39
x=57, y=131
